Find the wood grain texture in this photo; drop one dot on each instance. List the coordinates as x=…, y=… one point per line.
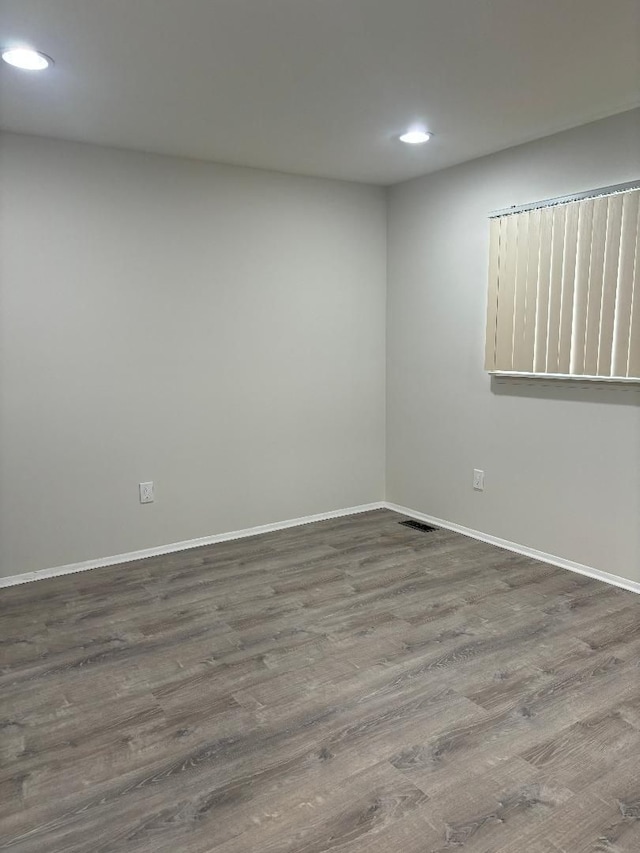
x=348, y=686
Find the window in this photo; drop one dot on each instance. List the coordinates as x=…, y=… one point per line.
x=564, y=296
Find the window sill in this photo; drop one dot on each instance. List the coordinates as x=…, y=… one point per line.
x=627, y=380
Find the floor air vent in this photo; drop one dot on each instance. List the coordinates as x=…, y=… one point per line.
x=418, y=525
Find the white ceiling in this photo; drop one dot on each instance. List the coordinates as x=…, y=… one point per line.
x=320, y=87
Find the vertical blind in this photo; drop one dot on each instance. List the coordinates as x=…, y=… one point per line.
x=564, y=295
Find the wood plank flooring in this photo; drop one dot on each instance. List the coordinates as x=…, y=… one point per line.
x=346, y=686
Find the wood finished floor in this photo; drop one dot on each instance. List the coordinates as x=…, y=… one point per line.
x=347, y=686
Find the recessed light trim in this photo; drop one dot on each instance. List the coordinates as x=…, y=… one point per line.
x=26, y=58
x=415, y=137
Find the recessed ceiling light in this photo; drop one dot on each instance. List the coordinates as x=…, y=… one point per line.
x=26, y=58
x=415, y=137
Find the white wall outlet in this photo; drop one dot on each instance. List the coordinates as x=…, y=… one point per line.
x=478, y=480
x=146, y=493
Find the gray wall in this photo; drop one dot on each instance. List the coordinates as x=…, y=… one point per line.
x=217, y=330
x=222, y=332
x=562, y=461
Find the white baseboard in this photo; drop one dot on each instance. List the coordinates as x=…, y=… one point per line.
x=158, y=551
x=561, y=562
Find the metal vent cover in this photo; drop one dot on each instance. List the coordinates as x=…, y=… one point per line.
x=418, y=525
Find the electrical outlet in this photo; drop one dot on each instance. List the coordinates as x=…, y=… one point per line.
x=478, y=480
x=146, y=493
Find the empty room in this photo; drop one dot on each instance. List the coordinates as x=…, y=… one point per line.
x=319, y=426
